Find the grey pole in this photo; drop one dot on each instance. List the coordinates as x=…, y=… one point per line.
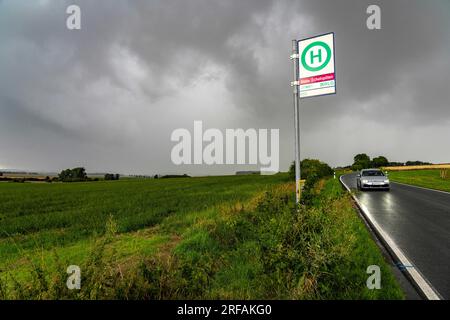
x=295, y=85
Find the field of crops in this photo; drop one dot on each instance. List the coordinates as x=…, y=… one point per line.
x=52, y=215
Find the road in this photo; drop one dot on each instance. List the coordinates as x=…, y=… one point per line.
x=418, y=221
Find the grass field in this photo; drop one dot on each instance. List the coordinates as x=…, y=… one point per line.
x=59, y=214
x=422, y=167
x=236, y=237
x=422, y=178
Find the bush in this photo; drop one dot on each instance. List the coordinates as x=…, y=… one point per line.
x=308, y=190
x=111, y=176
x=310, y=168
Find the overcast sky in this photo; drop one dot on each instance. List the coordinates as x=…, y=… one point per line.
x=108, y=96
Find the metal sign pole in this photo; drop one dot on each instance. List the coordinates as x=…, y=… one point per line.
x=295, y=85
x=316, y=65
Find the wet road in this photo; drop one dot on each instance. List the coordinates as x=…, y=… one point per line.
x=418, y=220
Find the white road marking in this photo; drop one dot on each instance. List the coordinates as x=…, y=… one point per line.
x=414, y=273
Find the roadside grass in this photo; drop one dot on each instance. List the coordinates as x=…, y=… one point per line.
x=422, y=178
x=258, y=247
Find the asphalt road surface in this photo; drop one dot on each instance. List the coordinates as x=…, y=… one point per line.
x=418, y=220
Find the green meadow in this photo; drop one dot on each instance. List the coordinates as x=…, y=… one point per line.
x=423, y=178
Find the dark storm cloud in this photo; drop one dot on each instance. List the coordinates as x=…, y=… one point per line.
x=396, y=68
x=112, y=92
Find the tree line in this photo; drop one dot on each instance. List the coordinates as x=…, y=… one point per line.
x=79, y=175
x=363, y=161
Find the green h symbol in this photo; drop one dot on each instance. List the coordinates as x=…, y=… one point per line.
x=318, y=55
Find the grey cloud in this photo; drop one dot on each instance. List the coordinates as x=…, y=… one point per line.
x=139, y=69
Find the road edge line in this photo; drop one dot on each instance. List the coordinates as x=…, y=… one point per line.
x=414, y=275
x=411, y=185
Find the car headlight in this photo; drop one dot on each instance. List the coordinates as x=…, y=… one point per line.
x=386, y=181
x=365, y=181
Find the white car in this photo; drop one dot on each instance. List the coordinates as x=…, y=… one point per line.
x=372, y=179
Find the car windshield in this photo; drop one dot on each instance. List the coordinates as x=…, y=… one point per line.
x=372, y=173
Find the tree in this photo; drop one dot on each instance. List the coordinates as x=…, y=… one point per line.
x=380, y=161
x=395, y=164
x=416, y=163
x=361, y=157
x=111, y=176
x=361, y=161
x=73, y=175
x=79, y=173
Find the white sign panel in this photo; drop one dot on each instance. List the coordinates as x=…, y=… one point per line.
x=316, y=63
